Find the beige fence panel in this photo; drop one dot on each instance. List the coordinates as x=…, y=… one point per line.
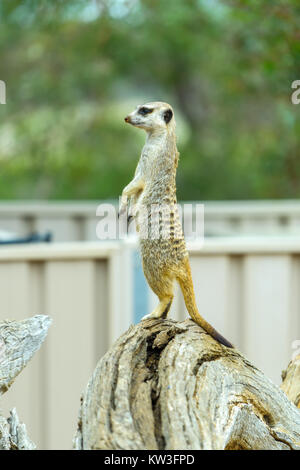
x=121, y=291
x=267, y=311
x=71, y=341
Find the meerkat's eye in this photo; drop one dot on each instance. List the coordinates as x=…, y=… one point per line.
x=143, y=111
x=168, y=114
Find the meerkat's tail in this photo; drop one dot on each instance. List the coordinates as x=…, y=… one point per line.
x=186, y=285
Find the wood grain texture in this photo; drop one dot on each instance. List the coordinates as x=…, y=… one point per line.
x=13, y=434
x=291, y=381
x=19, y=340
x=168, y=385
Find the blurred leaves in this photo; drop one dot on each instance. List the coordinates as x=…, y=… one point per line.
x=73, y=69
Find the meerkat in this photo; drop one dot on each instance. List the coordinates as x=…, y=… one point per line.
x=164, y=258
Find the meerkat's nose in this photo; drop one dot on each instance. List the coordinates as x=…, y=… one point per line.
x=127, y=119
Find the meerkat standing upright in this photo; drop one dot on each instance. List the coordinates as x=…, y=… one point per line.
x=164, y=259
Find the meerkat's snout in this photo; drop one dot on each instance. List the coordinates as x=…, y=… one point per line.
x=127, y=119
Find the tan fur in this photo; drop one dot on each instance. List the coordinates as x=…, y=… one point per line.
x=164, y=256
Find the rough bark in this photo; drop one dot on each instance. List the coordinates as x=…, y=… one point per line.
x=13, y=434
x=291, y=381
x=168, y=385
x=19, y=340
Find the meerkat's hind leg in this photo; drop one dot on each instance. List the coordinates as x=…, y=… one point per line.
x=162, y=284
x=162, y=310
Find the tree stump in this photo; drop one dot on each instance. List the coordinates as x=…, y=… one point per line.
x=168, y=385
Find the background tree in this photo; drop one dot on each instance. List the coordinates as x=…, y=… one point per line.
x=74, y=69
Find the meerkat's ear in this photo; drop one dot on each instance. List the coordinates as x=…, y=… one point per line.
x=168, y=114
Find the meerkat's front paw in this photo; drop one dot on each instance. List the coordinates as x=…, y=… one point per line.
x=131, y=214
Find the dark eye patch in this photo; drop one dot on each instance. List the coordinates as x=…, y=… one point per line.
x=143, y=111
x=168, y=114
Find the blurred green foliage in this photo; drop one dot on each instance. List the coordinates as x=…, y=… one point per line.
x=74, y=69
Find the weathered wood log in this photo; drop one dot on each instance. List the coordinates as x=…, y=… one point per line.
x=13, y=434
x=19, y=340
x=168, y=385
x=291, y=381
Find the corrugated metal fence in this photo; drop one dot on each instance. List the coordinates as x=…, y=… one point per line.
x=248, y=288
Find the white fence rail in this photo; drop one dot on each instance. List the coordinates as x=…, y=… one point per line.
x=247, y=288
x=76, y=221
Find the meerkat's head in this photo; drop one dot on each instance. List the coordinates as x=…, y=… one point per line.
x=152, y=116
